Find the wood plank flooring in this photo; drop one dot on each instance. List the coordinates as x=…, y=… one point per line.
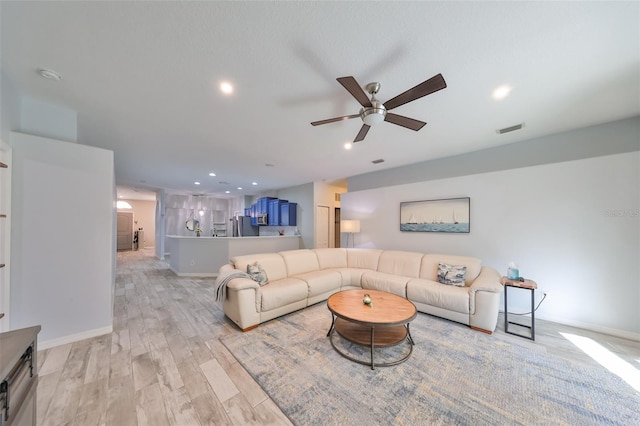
x=164, y=365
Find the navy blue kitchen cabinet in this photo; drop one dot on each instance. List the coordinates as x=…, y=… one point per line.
x=274, y=213
x=288, y=214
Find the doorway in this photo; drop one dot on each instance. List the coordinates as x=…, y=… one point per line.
x=125, y=231
x=336, y=228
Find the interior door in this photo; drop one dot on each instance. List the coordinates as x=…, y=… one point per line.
x=336, y=227
x=125, y=231
x=322, y=227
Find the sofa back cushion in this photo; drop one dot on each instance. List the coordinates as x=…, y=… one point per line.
x=429, y=267
x=363, y=258
x=331, y=257
x=402, y=263
x=300, y=261
x=272, y=263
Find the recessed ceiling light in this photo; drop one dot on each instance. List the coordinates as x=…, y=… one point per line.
x=254, y=183
x=50, y=74
x=212, y=174
x=227, y=192
x=239, y=188
x=196, y=183
x=226, y=88
x=348, y=145
x=501, y=92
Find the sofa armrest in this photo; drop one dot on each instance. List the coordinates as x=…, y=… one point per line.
x=242, y=304
x=238, y=284
x=487, y=280
x=246, y=294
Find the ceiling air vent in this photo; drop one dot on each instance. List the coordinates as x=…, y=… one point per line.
x=510, y=129
x=378, y=161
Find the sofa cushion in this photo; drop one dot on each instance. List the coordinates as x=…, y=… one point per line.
x=300, y=261
x=385, y=282
x=363, y=258
x=429, y=267
x=435, y=294
x=451, y=274
x=331, y=257
x=283, y=292
x=351, y=277
x=404, y=263
x=320, y=282
x=272, y=263
x=257, y=274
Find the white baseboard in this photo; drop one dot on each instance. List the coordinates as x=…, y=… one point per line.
x=195, y=274
x=46, y=344
x=630, y=335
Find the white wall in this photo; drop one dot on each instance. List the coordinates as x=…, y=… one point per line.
x=303, y=195
x=9, y=121
x=160, y=225
x=572, y=227
x=62, y=242
x=48, y=120
x=10, y=110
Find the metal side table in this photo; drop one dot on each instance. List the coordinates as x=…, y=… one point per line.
x=527, y=285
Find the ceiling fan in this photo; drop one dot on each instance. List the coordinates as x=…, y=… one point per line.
x=373, y=111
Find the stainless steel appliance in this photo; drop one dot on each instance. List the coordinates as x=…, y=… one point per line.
x=242, y=227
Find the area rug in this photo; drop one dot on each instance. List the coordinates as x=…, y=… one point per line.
x=454, y=376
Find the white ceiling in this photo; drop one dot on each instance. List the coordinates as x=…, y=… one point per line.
x=144, y=76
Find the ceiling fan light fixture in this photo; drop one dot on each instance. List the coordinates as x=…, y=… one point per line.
x=372, y=116
x=374, y=111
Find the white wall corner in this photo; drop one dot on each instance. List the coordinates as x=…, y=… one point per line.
x=52, y=121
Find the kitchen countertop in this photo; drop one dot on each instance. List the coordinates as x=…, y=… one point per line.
x=203, y=256
x=233, y=238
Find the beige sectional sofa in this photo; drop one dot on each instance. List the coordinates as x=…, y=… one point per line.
x=300, y=278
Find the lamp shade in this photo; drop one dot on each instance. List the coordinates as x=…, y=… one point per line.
x=349, y=226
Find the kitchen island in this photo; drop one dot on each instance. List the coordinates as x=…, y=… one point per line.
x=203, y=256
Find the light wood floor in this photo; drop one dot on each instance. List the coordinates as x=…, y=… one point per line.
x=163, y=364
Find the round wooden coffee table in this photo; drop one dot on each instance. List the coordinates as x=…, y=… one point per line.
x=385, y=323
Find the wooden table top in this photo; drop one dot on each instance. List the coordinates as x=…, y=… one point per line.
x=387, y=309
x=522, y=284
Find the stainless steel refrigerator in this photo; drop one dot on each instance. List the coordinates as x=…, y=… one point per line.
x=242, y=227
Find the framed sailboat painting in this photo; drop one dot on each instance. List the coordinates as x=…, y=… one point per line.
x=447, y=215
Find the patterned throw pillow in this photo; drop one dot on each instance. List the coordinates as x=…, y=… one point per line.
x=257, y=273
x=451, y=274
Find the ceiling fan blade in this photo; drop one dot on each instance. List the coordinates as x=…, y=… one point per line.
x=362, y=133
x=425, y=88
x=333, y=120
x=356, y=91
x=403, y=121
